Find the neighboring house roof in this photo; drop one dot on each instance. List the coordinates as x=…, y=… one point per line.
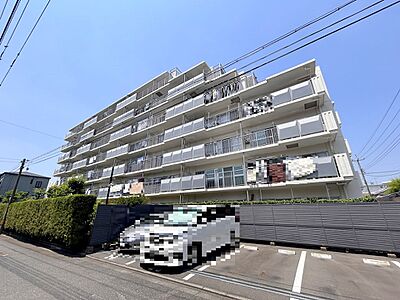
x=30, y=174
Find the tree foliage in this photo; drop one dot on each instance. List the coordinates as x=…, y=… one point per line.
x=394, y=186
x=72, y=186
x=63, y=220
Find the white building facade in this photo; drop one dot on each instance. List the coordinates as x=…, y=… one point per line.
x=211, y=134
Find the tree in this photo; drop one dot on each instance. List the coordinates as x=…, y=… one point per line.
x=393, y=186
x=74, y=185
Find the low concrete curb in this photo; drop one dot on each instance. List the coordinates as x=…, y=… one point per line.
x=196, y=286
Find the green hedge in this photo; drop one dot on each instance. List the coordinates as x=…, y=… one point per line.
x=131, y=201
x=62, y=220
x=283, y=201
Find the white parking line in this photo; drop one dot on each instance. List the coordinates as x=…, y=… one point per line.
x=187, y=277
x=203, y=268
x=396, y=263
x=382, y=263
x=251, y=248
x=130, y=262
x=286, y=252
x=299, y=274
x=321, y=255
x=107, y=257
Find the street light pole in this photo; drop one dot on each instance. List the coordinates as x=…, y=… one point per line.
x=12, y=196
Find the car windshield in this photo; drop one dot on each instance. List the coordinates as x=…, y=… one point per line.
x=181, y=217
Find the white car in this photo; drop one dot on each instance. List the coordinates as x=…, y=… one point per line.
x=185, y=236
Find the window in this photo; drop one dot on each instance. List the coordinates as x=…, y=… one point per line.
x=38, y=184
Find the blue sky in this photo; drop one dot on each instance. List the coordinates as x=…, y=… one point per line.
x=86, y=54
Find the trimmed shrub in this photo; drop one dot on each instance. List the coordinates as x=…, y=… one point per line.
x=131, y=201
x=283, y=201
x=63, y=220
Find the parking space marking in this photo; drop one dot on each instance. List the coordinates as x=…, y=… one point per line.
x=107, y=257
x=321, y=255
x=251, y=248
x=299, y=274
x=187, y=277
x=130, y=262
x=382, y=263
x=203, y=268
x=286, y=252
x=396, y=263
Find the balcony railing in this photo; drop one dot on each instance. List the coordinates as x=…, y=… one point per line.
x=64, y=156
x=123, y=117
x=185, y=106
x=104, y=128
x=148, y=122
x=90, y=122
x=83, y=149
x=126, y=102
x=184, y=129
x=86, y=135
x=117, y=151
x=143, y=164
x=154, y=86
x=105, y=113
x=100, y=142
x=186, y=85
x=150, y=141
x=79, y=164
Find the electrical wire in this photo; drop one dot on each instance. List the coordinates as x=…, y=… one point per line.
x=10, y=18
x=15, y=28
x=386, y=152
x=2, y=11
x=304, y=45
x=311, y=34
x=25, y=42
x=276, y=40
x=30, y=129
x=286, y=35
x=379, y=125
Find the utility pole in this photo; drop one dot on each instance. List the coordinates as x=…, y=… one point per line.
x=110, y=183
x=363, y=176
x=12, y=196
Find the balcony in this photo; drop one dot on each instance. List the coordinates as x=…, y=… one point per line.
x=79, y=164
x=292, y=93
x=185, y=106
x=156, y=84
x=184, y=129
x=83, y=149
x=68, y=146
x=186, y=85
x=100, y=142
x=64, y=157
x=94, y=174
x=97, y=158
x=106, y=113
x=120, y=133
x=86, y=135
x=126, y=102
x=148, y=122
x=183, y=154
x=143, y=163
x=90, y=122
x=150, y=141
x=117, y=151
x=124, y=117
x=182, y=183
x=104, y=128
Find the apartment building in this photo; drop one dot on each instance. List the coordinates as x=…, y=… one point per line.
x=208, y=134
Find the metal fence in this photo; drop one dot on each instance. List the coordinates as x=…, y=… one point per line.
x=362, y=226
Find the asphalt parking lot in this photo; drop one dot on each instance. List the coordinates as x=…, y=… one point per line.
x=275, y=272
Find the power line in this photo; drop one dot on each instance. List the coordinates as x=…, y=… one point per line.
x=308, y=43
x=251, y=53
x=4, y=7
x=310, y=35
x=276, y=40
x=10, y=18
x=15, y=28
x=25, y=42
x=30, y=129
x=380, y=123
x=386, y=152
